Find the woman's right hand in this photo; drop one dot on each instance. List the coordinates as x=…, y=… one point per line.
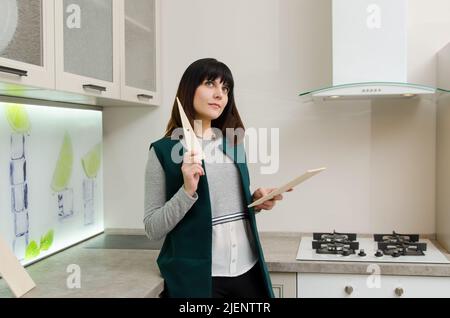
x=192, y=170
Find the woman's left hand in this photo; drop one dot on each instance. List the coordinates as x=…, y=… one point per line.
x=269, y=204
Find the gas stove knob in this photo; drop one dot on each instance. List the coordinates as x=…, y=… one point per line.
x=345, y=252
x=362, y=253
x=395, y=254
x=348, y=290
x=379, y=253
x=399, y=291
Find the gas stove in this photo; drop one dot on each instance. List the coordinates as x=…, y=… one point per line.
x=390, y=248
x=398, y=245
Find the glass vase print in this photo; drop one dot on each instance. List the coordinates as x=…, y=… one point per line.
x=61, y=179
x=19, y=123
x=91, y=166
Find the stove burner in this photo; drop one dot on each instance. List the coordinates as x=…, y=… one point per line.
x=334, y=237
x=396, y=238
x=400, y=244
x=335, y=243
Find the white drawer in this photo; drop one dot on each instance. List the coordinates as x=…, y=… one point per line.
x=343, y=285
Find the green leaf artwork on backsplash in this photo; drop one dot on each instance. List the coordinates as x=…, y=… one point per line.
x=63, y=170
x=47, y=240
x=18, y=118
x=91, y=161
x=32, y=250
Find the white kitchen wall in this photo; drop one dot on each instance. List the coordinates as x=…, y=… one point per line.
x=380, y=156
x=428, y=32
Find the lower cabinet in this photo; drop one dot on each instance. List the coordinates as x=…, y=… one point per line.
x=284, y=284
x=312, y=285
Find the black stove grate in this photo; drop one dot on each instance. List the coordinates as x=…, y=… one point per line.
x=396, y=244
x=335, y=243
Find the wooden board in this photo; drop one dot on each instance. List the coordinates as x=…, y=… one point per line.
x=192, y=143
x=291, y=184
x=13, y=272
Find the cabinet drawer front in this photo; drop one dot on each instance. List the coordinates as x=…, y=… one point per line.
x=284, y=284
x=342, y=285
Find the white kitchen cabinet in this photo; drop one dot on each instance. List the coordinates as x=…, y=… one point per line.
x=312, y=285
x=27, y=44
x=101, y=53
x=139, y=47
x=87, y=47
x=284, y=284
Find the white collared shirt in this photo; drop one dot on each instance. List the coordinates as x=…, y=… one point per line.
x=233, y=248
x=233, y=251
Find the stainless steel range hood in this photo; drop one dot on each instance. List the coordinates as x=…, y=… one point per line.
x=369, y=52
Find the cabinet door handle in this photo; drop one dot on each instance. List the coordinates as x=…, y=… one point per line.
x=399, y=291
x=15, y=71
x=348, y=290
x=145, y=96
x=95, y=87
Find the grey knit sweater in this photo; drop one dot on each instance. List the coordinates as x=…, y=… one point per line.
x=162, y=214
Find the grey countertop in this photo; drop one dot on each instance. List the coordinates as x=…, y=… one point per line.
x=104, y=273
x=280, y=250
x=126, y=272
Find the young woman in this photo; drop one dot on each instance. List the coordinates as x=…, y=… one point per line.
x=211, y=246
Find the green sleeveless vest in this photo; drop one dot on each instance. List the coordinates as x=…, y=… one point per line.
x=185, y=257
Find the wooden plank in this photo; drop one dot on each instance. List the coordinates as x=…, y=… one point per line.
x=13, y=272
x=308, y=174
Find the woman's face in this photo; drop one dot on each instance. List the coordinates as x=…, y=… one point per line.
x=210, y=99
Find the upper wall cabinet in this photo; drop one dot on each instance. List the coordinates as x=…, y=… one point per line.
x=102, y=52
x=140, y=51
x=87, y=47
x=27, y=43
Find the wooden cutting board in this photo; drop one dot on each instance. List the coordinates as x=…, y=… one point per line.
x=291, y=184
x=13, y=272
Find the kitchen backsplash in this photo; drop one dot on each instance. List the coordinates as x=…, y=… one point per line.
x=51, y=178
x=381, y=167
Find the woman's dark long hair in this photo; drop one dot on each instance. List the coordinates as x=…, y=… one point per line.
x=194, y=76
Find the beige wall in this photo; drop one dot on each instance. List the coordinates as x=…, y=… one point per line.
x=443, y=154
x=443, y=177
x=428, y=32
x=380, y=156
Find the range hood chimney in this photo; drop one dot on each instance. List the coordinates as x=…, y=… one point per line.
x=370, y=51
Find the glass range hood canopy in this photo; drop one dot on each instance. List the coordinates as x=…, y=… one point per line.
x=371, y=90
x=370, y=53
